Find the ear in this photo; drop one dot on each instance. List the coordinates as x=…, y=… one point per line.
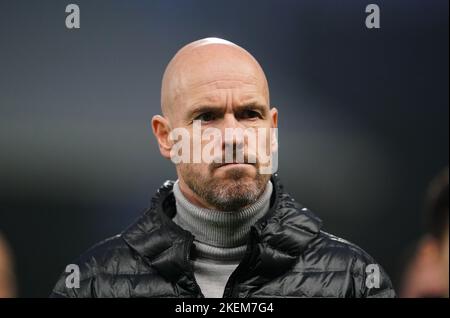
x=274, y=124
x=274, y=117
x=161, y=130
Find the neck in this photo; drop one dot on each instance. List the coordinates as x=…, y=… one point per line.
x=219, y=235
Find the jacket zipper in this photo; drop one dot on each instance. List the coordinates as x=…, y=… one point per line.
x=230, y=286
x=191, y=275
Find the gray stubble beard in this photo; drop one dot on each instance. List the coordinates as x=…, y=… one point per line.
x=232, y=195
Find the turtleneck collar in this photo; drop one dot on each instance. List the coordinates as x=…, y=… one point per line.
x=219, y=235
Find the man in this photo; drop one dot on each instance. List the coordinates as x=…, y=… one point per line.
x=224, y=228
x=427, y=273
x=7, y=280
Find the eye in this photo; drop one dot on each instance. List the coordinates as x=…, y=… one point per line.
x=249, y=114
x=206, y=117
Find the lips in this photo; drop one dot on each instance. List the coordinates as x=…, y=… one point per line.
x=233, y=164
x=216, y=165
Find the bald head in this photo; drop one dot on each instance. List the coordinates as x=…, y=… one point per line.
x=213, y=62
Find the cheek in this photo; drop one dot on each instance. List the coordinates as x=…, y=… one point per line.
x=267, y=142
x=193, y=170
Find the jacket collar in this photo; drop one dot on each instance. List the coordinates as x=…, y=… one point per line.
x=281, y=236
x=158, y=240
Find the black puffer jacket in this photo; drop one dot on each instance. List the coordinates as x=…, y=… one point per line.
x=287, y=256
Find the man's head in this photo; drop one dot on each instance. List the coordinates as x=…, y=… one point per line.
x=7, y=280
x=437, y=209
x=221, y=85
x=427, y=272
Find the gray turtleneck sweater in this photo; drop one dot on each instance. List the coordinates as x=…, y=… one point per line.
x=220, y=238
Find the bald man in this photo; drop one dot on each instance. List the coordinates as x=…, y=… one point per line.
x=7, y=280
x=225, y=227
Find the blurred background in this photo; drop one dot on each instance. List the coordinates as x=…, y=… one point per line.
x=363, y=116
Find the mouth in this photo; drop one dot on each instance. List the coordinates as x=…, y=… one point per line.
x=234, y=165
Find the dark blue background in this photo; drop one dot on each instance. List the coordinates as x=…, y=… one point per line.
x=363, y=116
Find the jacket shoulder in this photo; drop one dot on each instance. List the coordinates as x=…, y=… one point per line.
x=330, y=253
x=100, y=261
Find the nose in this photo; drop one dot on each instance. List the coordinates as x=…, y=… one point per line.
x=234, y=127
x=230, y=121
x=232, y=138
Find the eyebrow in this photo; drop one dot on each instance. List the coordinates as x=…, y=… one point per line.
x=253, y=106
x=217, y=109
x=204, y=109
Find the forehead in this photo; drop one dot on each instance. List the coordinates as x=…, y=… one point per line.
x=213, y=75
x=217, y=87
